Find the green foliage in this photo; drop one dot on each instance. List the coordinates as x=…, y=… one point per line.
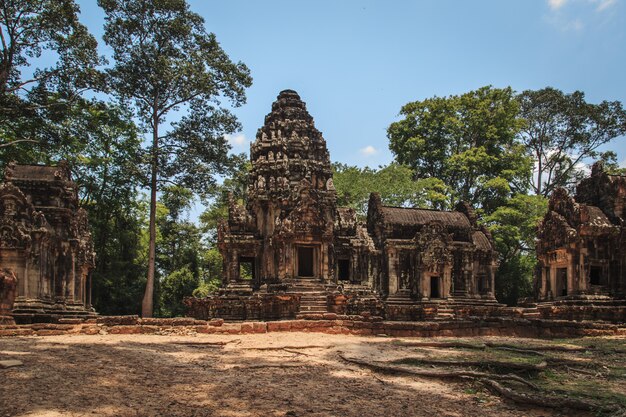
x=174, y=287
x=165, y=62
x=31, y=29
x=514, y=224
x=394, y=182
x=211, y=277
x=206, y=288
x=514, y=227
x=119, y=277
x=611, y=166
x=561, y=131
x=467, y=142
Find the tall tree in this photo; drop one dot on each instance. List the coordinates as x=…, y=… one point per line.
x=165, y=61
x=561, y=131
x=466, y=141
x=30, y=29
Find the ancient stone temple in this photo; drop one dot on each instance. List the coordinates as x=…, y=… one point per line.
x=430, y=255
x=45, y=243
x=581, y=245
x=287, y=228
x=290, y=250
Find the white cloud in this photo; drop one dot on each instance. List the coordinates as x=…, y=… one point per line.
x=604, y=4
x=556, y=4
x=369, y=150
x=236, y=140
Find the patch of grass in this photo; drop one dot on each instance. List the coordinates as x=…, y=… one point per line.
x=616, y=372
x=587, y=388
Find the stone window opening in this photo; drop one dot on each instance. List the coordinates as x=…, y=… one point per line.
x=343, y=269
x=246, y=268
x=596, y=277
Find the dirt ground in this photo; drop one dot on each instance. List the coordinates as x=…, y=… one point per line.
x=273, y=374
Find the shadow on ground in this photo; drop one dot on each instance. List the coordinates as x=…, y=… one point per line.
x=188, y=376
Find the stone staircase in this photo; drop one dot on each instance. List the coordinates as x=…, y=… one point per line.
x=313, y=295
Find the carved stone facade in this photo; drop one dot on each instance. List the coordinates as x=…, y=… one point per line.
x=581, y=244
x=291, y=237
x=429, y=254
x=45, y=243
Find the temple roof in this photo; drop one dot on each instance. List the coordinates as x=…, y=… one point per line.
x=481, y=241
x=596, y=217
x=36, y=173
x=414, y=216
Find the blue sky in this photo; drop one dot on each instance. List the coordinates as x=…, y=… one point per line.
x=355, y=63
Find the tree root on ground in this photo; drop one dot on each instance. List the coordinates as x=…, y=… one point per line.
x=481, y=364
x=279, y=365
x=538, y=400
x=286, y=347
x=397, y=370
x=460, y=345
x=533, y=350
x=488, y=380
x=542, y=348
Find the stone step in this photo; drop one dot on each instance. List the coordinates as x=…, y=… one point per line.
x=306, y=309
x=313, y=297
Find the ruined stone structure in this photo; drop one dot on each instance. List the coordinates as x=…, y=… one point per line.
x=429, y=255
x=581, y=244
x=45, y=244
x=291, y=240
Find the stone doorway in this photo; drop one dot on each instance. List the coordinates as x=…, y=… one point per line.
x=305, y=262
x=434, y=287
x=343, y=269
x=561, y=282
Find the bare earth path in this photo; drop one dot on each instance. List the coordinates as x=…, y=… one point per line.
x=273, y=374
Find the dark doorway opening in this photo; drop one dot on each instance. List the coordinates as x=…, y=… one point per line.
x=561, y=282
x=434, y=287
x=246, y=268
x=343, y=269
x=483, y=284
x=595, y=275
x=305, y=262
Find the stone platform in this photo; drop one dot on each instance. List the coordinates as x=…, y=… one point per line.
x=328, y=323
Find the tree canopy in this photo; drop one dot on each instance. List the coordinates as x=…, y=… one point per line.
x=165, y=61
x=393, y=182
x=562, y=131
x=466, y=141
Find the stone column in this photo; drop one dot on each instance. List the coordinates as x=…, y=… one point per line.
x=571, y=271
x=552, y=281
x=233, y=274
x=71, y=291
x=392, y=270
x=424, y=279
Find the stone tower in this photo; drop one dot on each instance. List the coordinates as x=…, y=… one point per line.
x=291, y=205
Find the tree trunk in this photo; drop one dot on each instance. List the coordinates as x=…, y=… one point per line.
x=147, y=305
